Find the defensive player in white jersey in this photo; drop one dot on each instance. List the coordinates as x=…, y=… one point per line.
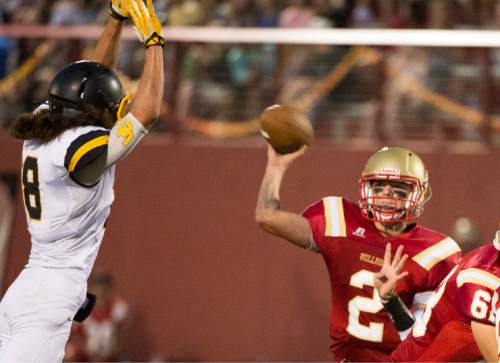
x=70, y=149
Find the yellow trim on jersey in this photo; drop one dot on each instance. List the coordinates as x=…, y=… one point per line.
x=334, y=217
x=479, y=277
x=433, y=255
x=85, y=148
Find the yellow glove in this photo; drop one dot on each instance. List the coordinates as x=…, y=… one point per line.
x=146, y=24
x=117, y=10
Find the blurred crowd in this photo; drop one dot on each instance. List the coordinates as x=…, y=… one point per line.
x=449, y=14
x=235, y=82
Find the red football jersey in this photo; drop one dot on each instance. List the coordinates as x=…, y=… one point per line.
x=353, y=250
x=467, y=293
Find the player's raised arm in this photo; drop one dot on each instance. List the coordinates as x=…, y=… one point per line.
x=131, y=127
x=106, y=49
x=290, y=226
x=147, y=102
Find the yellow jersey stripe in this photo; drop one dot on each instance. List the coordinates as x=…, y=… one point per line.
x=85, y=148
x=334, y=217
x=479, y=277
x=431, y=256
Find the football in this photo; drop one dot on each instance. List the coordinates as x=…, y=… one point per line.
x=286, y=128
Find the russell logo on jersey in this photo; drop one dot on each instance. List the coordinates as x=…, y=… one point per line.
x=360, y=232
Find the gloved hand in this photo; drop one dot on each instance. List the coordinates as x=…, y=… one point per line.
x=117, y=10
x=146, y=24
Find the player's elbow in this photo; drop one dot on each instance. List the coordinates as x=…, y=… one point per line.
x=264, y=218
x=146, y=116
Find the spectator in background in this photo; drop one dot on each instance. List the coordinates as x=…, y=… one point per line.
x=66, y=12
x=237, y=13
x=467, y=234
x=267, y=13
x=185, y=13
x=363, y=15
x=243, y=66
x=5, y=47
x=298, y=14
x=100, y=338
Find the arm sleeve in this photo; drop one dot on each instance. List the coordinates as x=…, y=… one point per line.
x=315, y=216
x=123, y=138
x=89, y=157
x=328, y=224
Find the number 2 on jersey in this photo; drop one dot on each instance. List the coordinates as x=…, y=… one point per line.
x=31, y=188
x=373, y=332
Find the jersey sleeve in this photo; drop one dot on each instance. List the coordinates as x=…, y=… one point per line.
x=454, y=343
x=326, y=218
x=315, y=216
x=437, y=261
x=85, y=149
x=476, y=295
x=78, y=147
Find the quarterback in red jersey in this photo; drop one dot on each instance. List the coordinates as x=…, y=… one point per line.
x=458, y=322
x=352, y=237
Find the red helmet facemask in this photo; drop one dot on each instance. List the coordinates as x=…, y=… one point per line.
x=401, y=204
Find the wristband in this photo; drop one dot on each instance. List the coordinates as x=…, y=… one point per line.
x=153, y=40
x=399, y=313
x=116, y=15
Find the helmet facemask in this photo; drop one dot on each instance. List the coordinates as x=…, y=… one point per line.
x=403, y=204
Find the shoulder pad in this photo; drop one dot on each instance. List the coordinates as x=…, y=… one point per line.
x=86, y=148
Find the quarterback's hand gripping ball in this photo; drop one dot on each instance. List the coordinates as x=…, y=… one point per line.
x=285, y=128
x=146, y=24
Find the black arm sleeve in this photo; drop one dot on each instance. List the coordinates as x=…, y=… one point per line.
x=400, y=316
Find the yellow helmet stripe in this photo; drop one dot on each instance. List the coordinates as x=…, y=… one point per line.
x=85, y=148
x=334, y=217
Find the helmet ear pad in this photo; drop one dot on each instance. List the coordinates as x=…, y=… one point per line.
x=85, y=83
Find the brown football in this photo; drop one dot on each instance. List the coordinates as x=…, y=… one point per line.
x=286, y=128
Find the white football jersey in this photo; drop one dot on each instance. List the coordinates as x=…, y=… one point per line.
x=66, y=220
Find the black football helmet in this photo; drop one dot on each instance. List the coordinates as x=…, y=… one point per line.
x=85, y=83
